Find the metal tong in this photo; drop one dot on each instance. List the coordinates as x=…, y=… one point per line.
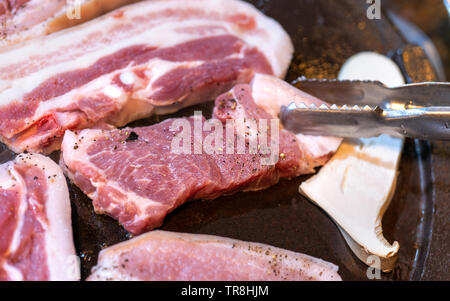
x=362, y=109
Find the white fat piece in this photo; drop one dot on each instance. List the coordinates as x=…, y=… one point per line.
x=357, y=185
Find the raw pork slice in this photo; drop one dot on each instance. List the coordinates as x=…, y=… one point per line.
x=25, y=19
x=163, y=256
x=35, y=222
x=145, y=58
x=135, y=176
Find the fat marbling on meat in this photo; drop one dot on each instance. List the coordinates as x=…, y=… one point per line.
x=138, y=181
x=35, y=221
x=163, y=256
x=150, y=57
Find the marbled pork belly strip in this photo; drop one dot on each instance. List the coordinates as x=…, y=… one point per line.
x=149, y=57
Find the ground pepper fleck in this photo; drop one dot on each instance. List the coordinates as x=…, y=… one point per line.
x=132, y=137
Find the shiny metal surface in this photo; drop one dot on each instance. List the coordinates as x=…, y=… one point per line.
x=364, y=109
x=374, y=93
x=426, y=123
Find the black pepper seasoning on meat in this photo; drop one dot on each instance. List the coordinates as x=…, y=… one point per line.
x=132, y=137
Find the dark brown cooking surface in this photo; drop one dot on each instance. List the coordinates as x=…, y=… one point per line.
x=325, y=34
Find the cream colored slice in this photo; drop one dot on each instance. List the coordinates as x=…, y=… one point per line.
x=356, y=186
